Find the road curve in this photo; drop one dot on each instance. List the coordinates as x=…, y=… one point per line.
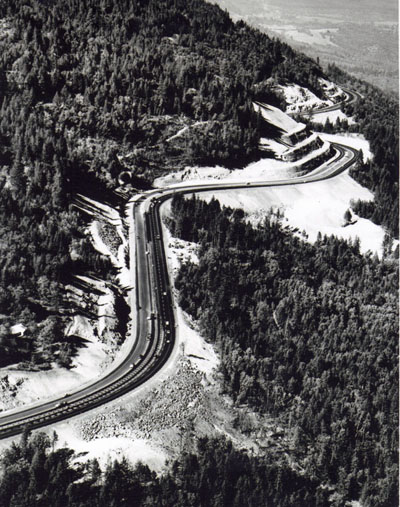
x=155, y=321
x=351, y=98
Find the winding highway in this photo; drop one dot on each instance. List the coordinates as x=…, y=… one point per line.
x=152, y=301
x=350, y=98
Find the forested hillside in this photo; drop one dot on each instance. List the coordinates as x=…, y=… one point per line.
x=91, y=89
x=118, y=71
x=377, y=117
x=308, y=333
x=37, y=476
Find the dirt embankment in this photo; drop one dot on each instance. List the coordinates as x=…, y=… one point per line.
x=181, y=408
x=185, y=402
x=96, y=327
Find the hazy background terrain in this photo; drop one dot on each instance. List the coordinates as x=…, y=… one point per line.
x=361, y=36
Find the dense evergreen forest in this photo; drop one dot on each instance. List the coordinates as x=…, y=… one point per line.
x=110, y=70
x=91, y=89
x=36, y=475
x=377, y=117
x=307, y=333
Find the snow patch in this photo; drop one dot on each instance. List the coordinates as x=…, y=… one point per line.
x=356, y=141
x=278, y=118
x=313, y=207
x=332, y=116
x=113, y=448
x=37, y=387
x=18, y=329
x=264, y=169
x=200, y=353
x=300, y=99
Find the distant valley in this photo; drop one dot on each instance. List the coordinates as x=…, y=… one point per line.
x=361, y=40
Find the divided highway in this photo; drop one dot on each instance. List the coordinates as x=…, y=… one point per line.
x=155, y=321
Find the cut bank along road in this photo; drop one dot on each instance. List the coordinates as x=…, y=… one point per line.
x=350, y=98
x=154, y=327
x=155, y=320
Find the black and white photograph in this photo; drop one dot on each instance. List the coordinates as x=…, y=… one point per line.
x=199, y=253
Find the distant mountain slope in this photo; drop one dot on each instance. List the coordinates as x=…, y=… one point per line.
x=360, y=37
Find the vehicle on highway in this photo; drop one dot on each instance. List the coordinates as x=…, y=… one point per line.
x=144, y=368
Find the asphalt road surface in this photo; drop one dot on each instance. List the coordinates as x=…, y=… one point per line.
x=350, y=98
x=154, y=327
